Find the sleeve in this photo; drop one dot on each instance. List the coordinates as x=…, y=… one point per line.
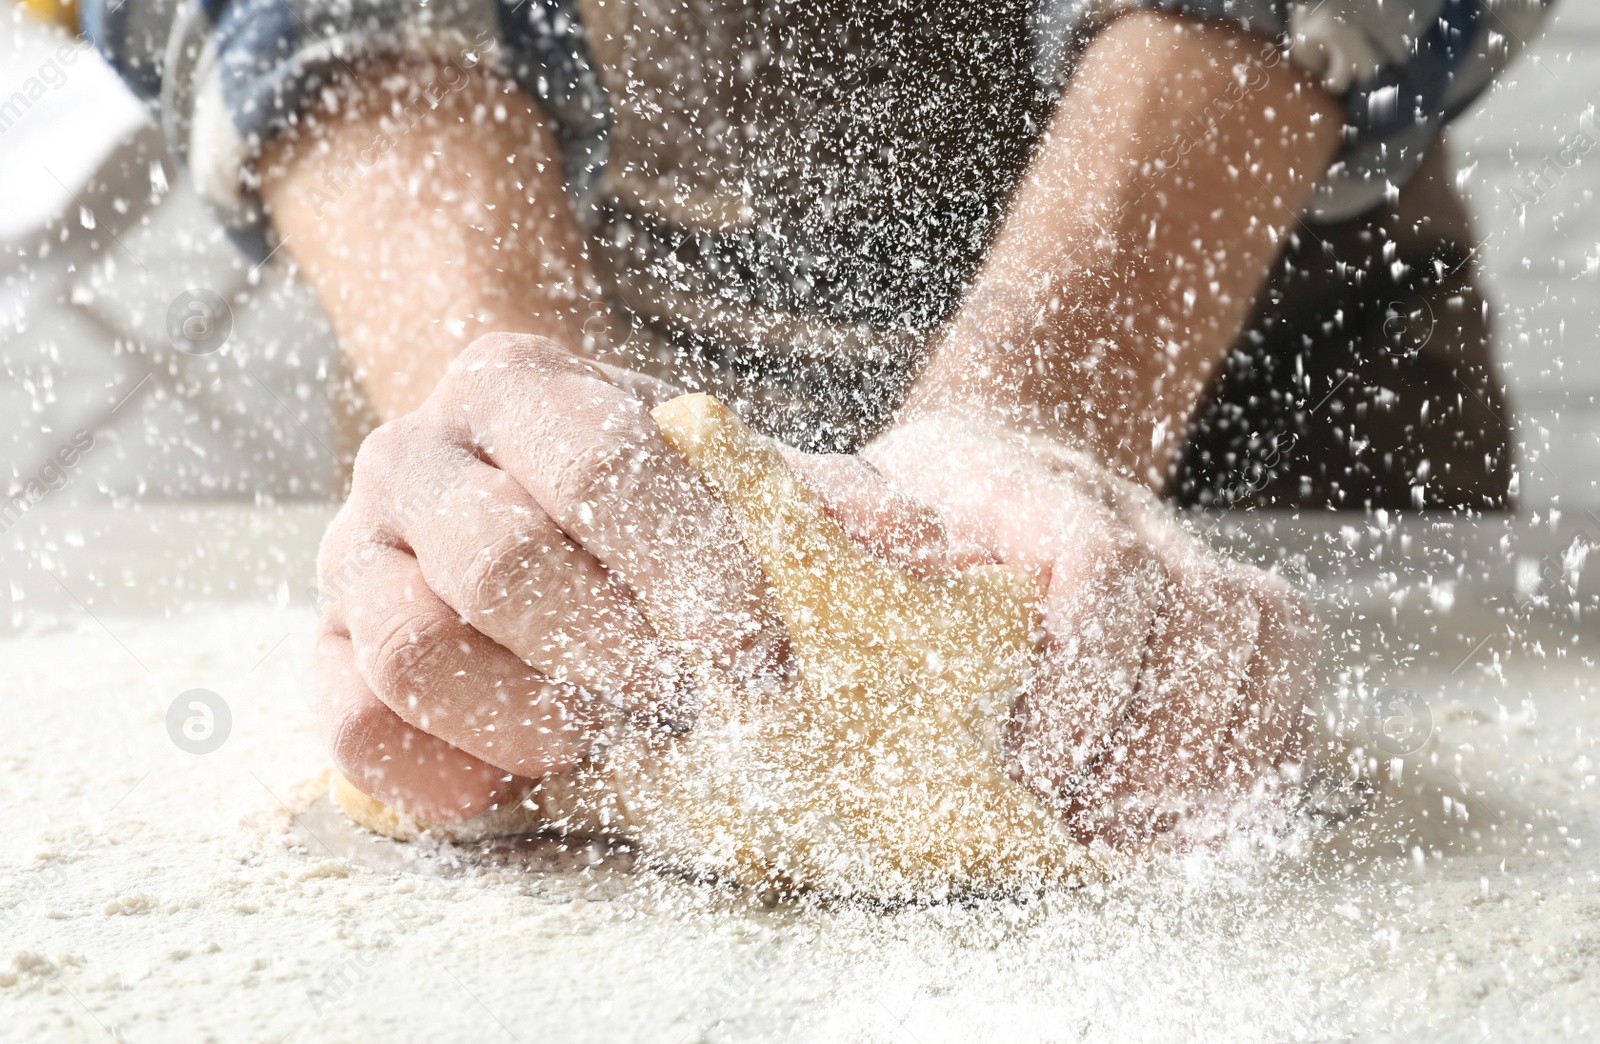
x=1403, y=68
x=228, y=75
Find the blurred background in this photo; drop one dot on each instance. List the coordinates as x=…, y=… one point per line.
x=103, y=245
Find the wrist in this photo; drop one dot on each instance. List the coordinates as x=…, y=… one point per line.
x=1086, y=399
x=938, y=443
x=965, y=395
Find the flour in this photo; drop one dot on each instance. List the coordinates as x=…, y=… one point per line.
x=166, y=896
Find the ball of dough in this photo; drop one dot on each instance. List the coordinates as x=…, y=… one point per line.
x=877, y=770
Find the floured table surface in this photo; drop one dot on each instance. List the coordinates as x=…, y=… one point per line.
x=163, y=895
x=323, y=826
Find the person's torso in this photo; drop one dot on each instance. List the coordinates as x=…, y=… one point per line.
x=797, y=193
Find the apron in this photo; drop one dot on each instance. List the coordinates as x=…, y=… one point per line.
x=795, y=194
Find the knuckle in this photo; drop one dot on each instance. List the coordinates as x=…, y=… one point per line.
x=498, y=351
x=1293, y=607
x=513, y=370
x=498, y=575
x=852, y=467
x=606, y=467
x=385, y=452
x=1128, y=562
x=401, y=471
x=335, y=556
x=409, y=646
x=353, y=736
x=924, y=527
x=1286, y=608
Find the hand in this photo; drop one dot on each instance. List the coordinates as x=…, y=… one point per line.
x=1172, y=682
x=505, y=557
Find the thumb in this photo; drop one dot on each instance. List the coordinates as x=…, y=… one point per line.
x=1099, y=613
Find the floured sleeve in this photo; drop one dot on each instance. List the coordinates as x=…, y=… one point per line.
x=228, y=75
x=1402, y=69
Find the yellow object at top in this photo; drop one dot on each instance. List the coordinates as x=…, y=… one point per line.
x=63, y=12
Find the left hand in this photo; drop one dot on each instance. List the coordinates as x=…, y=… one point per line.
x=1172, y=684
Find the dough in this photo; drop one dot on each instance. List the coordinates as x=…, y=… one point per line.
x=878, y=771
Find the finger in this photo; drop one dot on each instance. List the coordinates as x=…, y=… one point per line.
x=390, y=760
x=590, y=455
x=1273, y=725
x=342, y=556
x=1099, y=614
x=444, y=677
x=1045, y=514
x=1176, y=753
x=652, y=391
x=1103, y=587
x=1276, y=730
x=895, y=527
x=497, y=559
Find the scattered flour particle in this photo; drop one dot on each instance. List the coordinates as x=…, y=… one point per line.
x=132, y=903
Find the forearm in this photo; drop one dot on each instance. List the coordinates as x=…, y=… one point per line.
x=1173, y=165
x=421, y=234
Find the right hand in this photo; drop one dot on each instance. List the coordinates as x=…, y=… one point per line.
x=496, y=571
x=1171, y=693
